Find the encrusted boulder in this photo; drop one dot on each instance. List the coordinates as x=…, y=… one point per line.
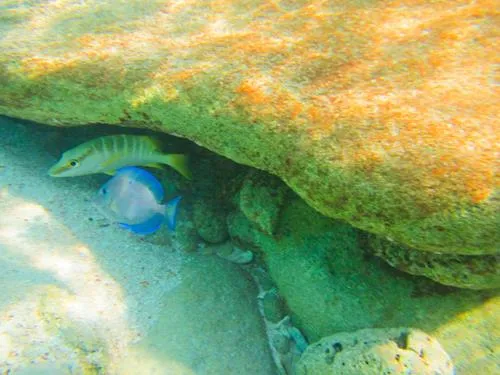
x=260, y=200
x=212, y=180
x=332, y=282
x=210, y=222
x=462, y=271
x=383, y=114
x=393, y=351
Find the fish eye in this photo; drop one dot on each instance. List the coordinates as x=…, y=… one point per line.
x=74, y=163
x=104, y=191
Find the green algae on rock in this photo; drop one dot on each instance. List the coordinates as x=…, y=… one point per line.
x=214, y=177
x=210, y=222
x=331, y=283
x=261, y=198
x=462, y=271
x=379, y=113
x=395, y=351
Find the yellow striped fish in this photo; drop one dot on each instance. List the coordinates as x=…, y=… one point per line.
x=112, y=152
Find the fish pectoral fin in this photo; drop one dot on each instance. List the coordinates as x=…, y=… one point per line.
x=106, y=164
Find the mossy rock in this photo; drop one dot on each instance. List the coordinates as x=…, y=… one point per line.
x=462, y=271
x=332, y=282
x=356, y=124
x=394, y=351
x=215, y=180
x=261, y=198
x=210, y=222
x=186, y=234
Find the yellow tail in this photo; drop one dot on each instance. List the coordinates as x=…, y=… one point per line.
x=180, y=163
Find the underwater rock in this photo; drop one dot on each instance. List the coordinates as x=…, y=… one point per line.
x=396, y=351
x=273, y=306
x=383, y=114
x=260, y=200
x=228, y=252
x=213, y=175
x=242, y=231
x=210, y=221
x=185, y=232
x=236, y=255
x=462, y=271
x=210, y=324
x=285, y=341
x=332, y=283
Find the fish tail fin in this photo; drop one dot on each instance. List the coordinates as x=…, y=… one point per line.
x=179, y=162
x=171, y=208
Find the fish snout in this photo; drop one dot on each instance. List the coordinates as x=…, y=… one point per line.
x=62, y=170
x=52, y=172
x=57, y=170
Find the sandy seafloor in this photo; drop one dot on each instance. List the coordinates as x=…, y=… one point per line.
x=78, y=295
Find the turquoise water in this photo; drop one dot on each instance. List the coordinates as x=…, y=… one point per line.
x=218, y=295
x=380, y=113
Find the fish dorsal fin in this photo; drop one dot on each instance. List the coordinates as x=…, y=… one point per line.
x=144, y=177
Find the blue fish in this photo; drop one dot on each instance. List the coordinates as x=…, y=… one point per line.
x=132, y=198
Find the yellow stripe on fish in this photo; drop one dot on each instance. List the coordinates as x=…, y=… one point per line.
x=112, y=152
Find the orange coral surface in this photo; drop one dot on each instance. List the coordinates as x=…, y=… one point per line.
x=398, y=97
